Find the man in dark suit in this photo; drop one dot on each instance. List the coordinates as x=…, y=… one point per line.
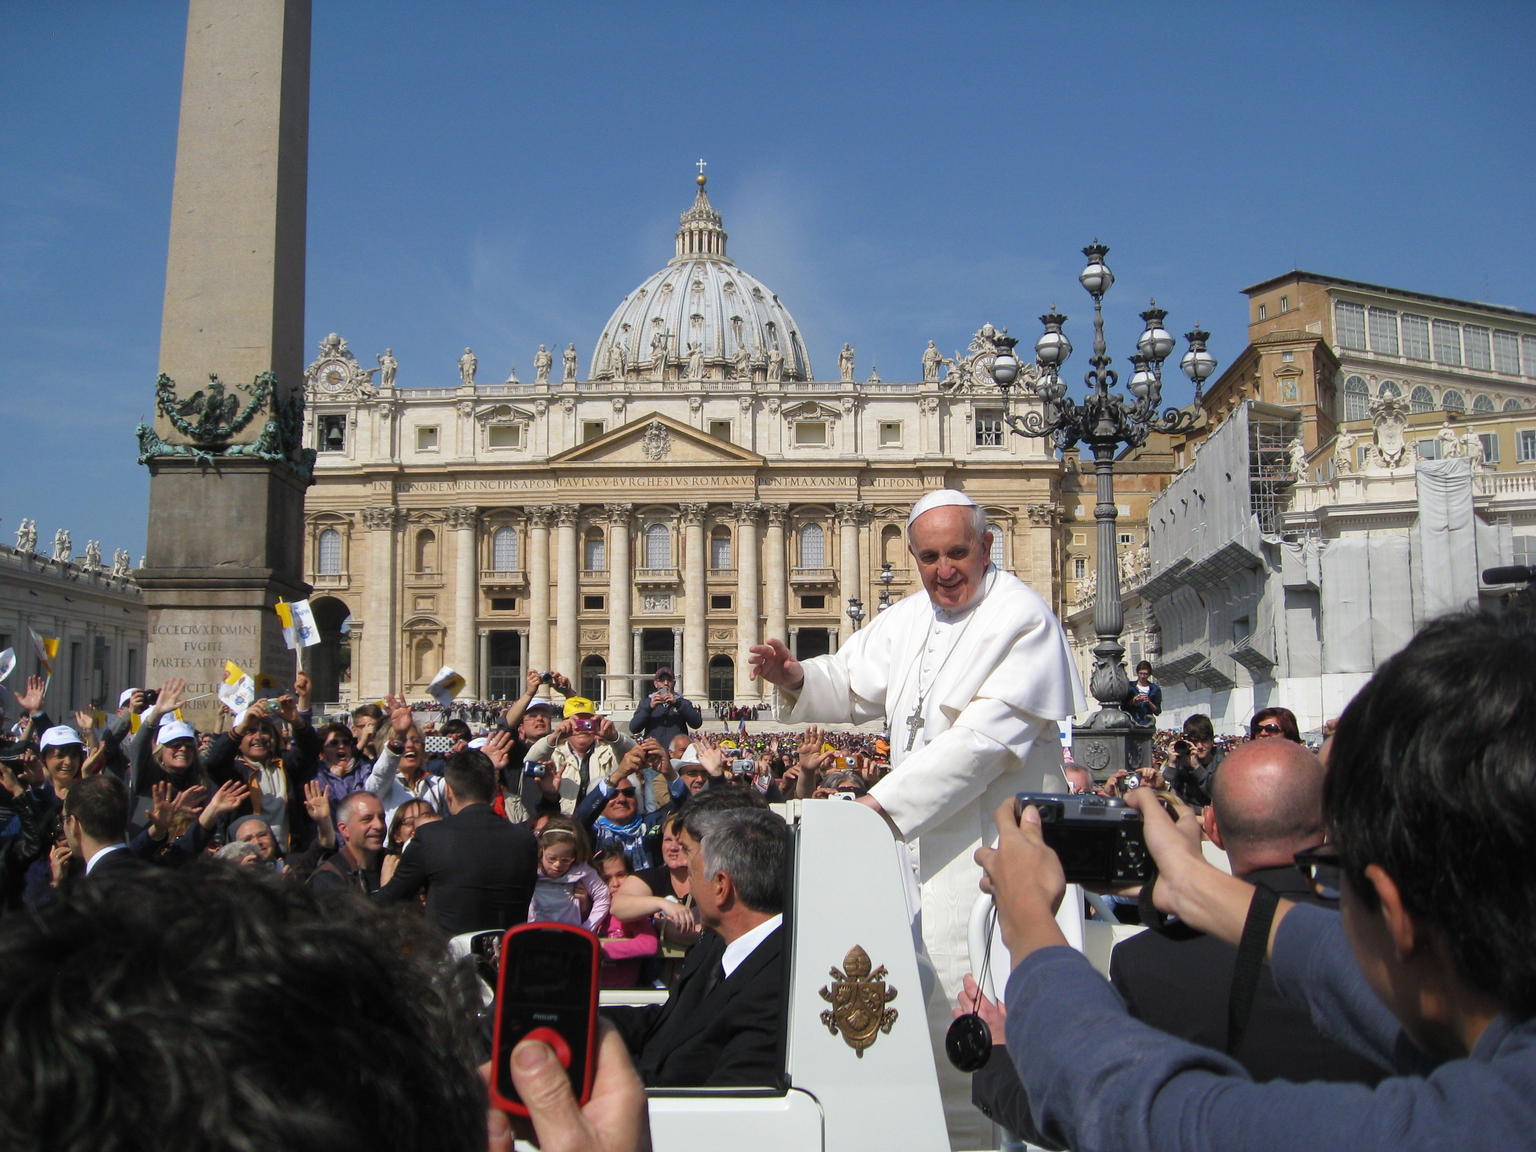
x=95, y=817
x=1266, y=805
x=478, y=870
x=723, y=1025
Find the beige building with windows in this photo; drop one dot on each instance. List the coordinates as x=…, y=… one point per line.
x=697, y=489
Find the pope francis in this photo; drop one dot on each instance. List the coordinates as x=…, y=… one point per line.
x=972, y=679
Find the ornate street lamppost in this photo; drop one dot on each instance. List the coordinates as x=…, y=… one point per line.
x=885, y=578
x=855, y=611
x=1110, y=427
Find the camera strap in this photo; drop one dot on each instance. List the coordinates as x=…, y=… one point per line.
x=1148, y=912
x=1251, y=950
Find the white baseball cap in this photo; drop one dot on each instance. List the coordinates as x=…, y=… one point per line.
x=122, y=701
x=173, y=729
x=60, y=736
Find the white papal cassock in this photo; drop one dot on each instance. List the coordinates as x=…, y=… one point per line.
x=990, y=685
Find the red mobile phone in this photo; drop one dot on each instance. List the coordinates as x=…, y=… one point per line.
x=546, y=990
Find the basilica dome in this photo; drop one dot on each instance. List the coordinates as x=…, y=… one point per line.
x=701, y=317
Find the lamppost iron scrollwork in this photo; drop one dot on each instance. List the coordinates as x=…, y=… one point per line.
x=1111, y=427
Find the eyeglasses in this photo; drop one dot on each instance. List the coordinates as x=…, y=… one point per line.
x=1321, y=867
x=623, y=791
x=337, y=744
x=1268, y=729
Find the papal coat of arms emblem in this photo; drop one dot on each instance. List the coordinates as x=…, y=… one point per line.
x=858, y=997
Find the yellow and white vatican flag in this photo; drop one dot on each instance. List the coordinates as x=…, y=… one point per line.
x=445, y=685
x=47, y=649
x=238, y=692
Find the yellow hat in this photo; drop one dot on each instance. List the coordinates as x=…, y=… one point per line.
x=578, y=706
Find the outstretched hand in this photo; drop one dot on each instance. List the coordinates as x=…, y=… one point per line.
x=1026, y=880
x=772, y=661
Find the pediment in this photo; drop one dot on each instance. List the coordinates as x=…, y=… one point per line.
x=811, y=410
x=503, y=414
x=655, y=439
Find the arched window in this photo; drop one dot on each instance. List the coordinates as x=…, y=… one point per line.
x=722, y=680
x=1482, y=403
x=426, y=550
x=1389, y=388
x=1357, y=399
x=504, y=550
x=592, y=670
x=658, y=546
x=720, y=548
x=997, y=544
x=594, y=551
x=1453, y=401
x=329, y=559
x=813, y=546
x=1511, y=405
x=1421, y=399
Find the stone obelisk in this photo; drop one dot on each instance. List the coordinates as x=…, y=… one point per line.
x=228, y=474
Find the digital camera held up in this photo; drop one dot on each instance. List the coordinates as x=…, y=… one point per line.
x=1098, y=840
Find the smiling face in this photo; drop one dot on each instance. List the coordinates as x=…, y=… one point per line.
x=61, y=764
x=622, y=806
x=258, y=744
x=258, y=833
x=951, y=555
x=673, y=854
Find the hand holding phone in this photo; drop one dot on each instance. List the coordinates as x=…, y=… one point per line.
x=546, y=990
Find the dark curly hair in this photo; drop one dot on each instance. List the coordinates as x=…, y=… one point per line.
x=219, y=1008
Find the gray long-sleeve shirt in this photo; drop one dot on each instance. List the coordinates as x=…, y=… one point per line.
x=1097, y=1079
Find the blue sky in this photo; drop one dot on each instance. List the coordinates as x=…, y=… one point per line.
x=500, y=175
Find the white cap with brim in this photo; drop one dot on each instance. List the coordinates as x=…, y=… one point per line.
x=175, y=730
x=60, y=736
x=122, y=701
x=477, y=743
x=541, y=706
x=942, y=498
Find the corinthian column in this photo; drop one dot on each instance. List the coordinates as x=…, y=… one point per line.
x=567, y=593
x=462, y=649
x=539, y=516
x=695, y=603
x=848, y=518
x=373, y=673
x=620, y=604
x=777, y=583
x=748, y=596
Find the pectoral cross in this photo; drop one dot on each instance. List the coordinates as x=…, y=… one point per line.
x=914, y=724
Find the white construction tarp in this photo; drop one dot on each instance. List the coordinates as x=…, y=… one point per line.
x=1447, y=535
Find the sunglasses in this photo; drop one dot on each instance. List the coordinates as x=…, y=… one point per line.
x=623, y=791
x=337, y=744
x=1269, y=729
x=1320, y=866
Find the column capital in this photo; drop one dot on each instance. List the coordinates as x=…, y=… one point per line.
x=778, y=514
x=1041, y=513
x=463, y=517
x=748, y=511
x=566, y=515
x=851, y=514
x=693, y=513
x=539, y=515
x=385, y=517
x=618, y=513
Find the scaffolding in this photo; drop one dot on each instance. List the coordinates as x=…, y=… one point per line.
x=1270, y=476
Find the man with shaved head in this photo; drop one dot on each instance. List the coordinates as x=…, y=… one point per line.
x=1266, y=805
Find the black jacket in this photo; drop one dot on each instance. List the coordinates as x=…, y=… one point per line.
x=728, y=1035
x=478, y=871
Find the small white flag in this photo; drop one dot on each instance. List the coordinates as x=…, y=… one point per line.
x=305, y=631
x=7, y=662
x=445, y=686
x=238, y=692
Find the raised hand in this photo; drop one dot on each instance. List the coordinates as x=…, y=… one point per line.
x=401, y=718
x=31, y=700
x=317, y=802
x=772, y=661
x=498, y=749
x=303, y=687
x=173, y=694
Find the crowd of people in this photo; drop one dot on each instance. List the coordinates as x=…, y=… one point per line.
x=351, y=850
